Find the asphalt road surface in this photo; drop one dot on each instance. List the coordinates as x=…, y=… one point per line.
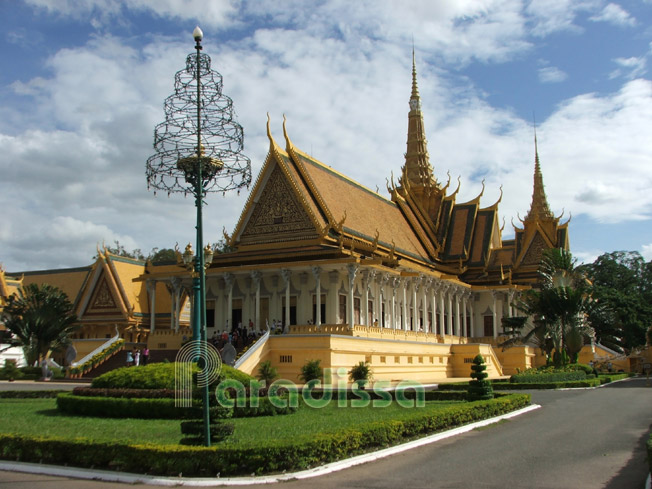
x=578, y=439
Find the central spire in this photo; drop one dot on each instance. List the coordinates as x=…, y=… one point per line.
x=539, y=208
x=417, y=169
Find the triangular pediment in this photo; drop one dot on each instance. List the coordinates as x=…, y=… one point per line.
x=534, y=252
x=101, y=296
x=277, y=214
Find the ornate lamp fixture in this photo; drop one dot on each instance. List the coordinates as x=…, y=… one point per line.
x=187, y=258
x=198, y=150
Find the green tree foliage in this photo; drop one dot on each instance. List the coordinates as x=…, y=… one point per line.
x=162, y=255
x=559, y=307
x=41, y=318
x=622, y=285
x=479, y=388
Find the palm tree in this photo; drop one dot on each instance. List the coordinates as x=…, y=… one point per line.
x=559, y=307
x=41, y=319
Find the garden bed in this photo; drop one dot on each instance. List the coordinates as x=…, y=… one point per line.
x=258, y=445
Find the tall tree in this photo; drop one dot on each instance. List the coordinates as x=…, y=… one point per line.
x=41, y=319
x=622, y=284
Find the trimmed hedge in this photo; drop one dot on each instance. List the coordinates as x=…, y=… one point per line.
x=156, y=376
x=538, y=378
x=266, y=456
x=123, y=407
x=649, y=452
x=44, y=394
x=156, y=407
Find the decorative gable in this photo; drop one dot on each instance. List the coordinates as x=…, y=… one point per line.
x=277, y=215
x=103, y=300
x=535, y=252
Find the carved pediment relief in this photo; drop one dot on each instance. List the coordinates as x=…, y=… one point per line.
x=278, y=215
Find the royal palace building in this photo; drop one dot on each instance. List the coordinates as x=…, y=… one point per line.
x=416, y=283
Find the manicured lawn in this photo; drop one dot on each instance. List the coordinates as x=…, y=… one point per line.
x=40, y=417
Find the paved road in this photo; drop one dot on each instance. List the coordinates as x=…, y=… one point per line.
x=30, y=385
x=579, y=439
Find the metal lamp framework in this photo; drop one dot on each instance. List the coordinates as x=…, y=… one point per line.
x=198, y=149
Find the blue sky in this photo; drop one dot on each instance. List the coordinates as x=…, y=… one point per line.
x=82, y=84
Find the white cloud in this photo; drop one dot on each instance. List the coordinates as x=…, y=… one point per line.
x=341, y=72
x=630, y=68
x=614, y=14
x=551, y=74
x=646, y=252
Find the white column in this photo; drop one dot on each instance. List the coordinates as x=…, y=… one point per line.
x=257, y=278
x=364, y=314
x=395, y=283
x=415, y=305
x=433, y=300
x=316, y=272
x=442, y=292
x=404, y=286
x=287, y=275
x=457, y=313
x=465, y=316
x=424, y=301
x=495, y=314
x=229, y=280
x=353, y=270
x=473, y=319
x=151, y=289
x=449, y=310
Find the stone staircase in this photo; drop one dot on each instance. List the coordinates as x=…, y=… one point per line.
x=120, y=359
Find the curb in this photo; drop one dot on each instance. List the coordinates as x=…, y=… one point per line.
x=124, y=477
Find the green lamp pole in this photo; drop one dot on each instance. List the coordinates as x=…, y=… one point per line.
x=198, y=150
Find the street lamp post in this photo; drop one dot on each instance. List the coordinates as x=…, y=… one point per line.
x=198, y=150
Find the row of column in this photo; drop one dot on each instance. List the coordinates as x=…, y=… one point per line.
x=409, y=300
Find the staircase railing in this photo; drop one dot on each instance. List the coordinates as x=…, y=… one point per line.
x=252, y=349
x=97, y=350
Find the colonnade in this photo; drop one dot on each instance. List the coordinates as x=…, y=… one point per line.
x=353, y=295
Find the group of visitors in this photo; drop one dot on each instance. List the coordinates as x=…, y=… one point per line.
x=239, y=337
x=136, y=357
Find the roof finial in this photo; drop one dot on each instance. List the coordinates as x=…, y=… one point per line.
x=415, y=88
x=417, y=169
x=539, y=207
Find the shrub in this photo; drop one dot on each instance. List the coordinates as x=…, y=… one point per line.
x=156, y=376
x=10, y=371
x=546, y=376
x=360, y=374
x=311, y=370
x=479, y=387
x=267, y=373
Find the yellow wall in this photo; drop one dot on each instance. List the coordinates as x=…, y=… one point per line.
x=392, y=361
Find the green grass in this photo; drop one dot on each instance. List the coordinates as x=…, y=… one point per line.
x=40, y=417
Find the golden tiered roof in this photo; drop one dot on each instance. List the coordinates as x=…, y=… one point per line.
x=301, y=209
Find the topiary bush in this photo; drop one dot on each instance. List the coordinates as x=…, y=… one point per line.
x=479, y=388
x=157, y=376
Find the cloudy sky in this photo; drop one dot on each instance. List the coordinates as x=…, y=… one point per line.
x=82, y=85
